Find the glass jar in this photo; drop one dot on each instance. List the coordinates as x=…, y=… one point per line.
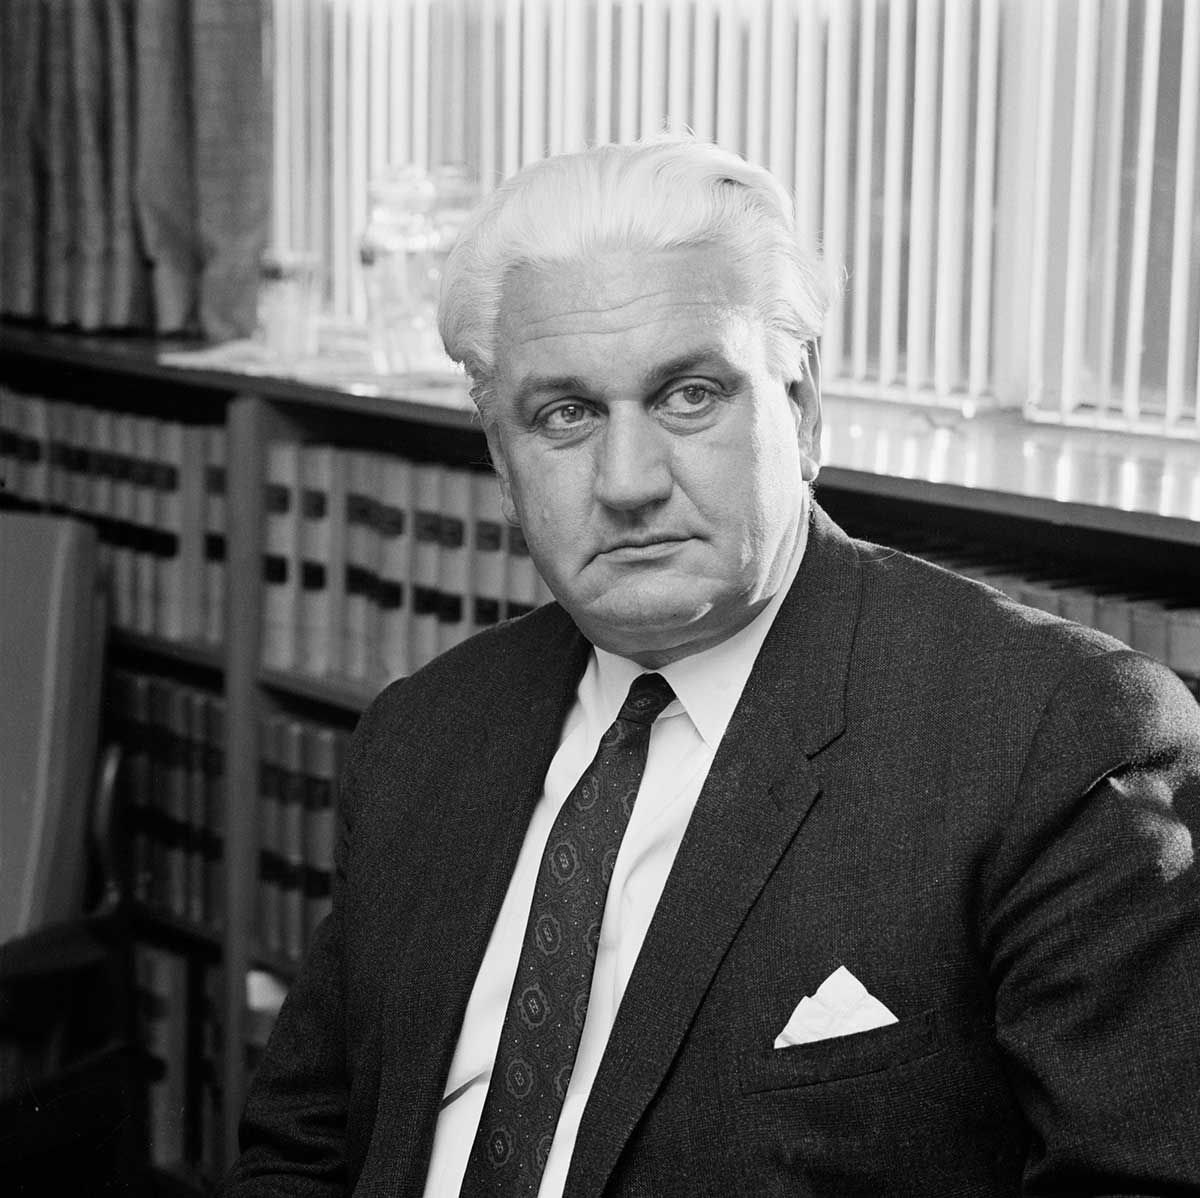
x=288, y=300
x=399, y=271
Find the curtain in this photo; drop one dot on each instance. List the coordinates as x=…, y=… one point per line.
x=135, y=142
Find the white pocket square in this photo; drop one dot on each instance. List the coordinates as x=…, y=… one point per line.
x=840, y=1006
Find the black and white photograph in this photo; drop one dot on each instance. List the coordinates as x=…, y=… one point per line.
x=600, y=598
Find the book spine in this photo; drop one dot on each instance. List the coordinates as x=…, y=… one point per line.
x=315, y=476
x=80, y=472
x=335, y=565
x=323, y=748
x=139, y=772
x=103, y=468
x=488, y=561
x=1041, y=593
x=169, y=590
x=35, y=450
x=181, y=503
x=394, y=594
x=176, y=806
x=199, y=902
x=322, y=566
x=1148, y=628
x=291, y=832
x=69, y=484
x=361, y=632
x=25, y=448
x=145, y=515
x=160, y=788
x=124, y=528
x=1078, y=602
x=58, y=421
x=1115, y=616
x=73, y=487
x=212, y=1104
x=427, y=551
x=216, y=711
x=162, y=993
x=215, y=455
x=270, y=782
x=454, y=562
x=10, y=444
x=281, y=566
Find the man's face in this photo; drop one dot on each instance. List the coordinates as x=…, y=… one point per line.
x=656, y=464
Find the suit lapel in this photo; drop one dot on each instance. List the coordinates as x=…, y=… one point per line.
x=757, y=794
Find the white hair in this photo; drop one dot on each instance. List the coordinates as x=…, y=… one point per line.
x=655, y=195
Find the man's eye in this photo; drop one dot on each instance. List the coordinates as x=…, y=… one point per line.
x=689, y=400
x=565, y=417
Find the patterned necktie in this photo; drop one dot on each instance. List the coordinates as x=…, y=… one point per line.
x=544, y=1018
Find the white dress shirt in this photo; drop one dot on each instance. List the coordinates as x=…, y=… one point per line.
x=683, y=741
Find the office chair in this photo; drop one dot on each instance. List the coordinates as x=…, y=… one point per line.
x=72, y=1092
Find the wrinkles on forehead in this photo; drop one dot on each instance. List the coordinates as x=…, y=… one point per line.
x=614, y=321
x=619, y=290
x=527, y=316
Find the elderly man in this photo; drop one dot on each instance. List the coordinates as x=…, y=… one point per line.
x=765, y=861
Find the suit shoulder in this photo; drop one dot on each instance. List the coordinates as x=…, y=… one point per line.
x=1125, y=705
x=933, y=640
x=472, y=676
x=963, y=615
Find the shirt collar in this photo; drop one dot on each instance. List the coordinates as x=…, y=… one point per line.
x=707, y=684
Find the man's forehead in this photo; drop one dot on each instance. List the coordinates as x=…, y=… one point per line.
x=613, y=283
x=625, y=322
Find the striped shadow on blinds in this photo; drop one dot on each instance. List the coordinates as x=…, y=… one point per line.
x=1009, y=184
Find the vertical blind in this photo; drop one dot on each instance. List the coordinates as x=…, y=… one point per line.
x=1009, y=184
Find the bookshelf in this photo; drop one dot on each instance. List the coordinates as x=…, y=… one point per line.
x=1107, y=523
x=342, y=694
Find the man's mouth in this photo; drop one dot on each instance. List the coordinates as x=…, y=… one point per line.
x=641, y=548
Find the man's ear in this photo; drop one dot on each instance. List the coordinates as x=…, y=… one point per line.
x=500, y=462
x=805, y=392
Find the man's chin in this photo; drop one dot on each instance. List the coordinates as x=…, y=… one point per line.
x=644, y=632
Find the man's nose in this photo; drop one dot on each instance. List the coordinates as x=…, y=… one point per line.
x=634, y=466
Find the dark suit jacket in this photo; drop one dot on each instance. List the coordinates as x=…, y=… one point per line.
x=985, y=813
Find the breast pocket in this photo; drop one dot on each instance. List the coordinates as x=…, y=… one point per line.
x=764, y=1070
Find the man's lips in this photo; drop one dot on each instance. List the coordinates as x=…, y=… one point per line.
x=636, y=547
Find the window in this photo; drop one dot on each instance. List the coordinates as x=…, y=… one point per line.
x=1010, y=184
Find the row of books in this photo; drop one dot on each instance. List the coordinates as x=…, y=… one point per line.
x=173, y=793
x=375, y=563
x=299, y=764
x=1161, y=621
x=180, y=1017
x=182, y=1046
x=156, y=490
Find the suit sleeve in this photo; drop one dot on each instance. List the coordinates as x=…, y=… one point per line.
x=293, y=1130
x=1091, y=926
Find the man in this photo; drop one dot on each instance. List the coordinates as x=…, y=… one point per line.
x=765, y=861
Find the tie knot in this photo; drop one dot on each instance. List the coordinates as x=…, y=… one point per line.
x=648, y=696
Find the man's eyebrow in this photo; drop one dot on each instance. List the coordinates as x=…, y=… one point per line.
x=709, y=358
x=539, y=384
